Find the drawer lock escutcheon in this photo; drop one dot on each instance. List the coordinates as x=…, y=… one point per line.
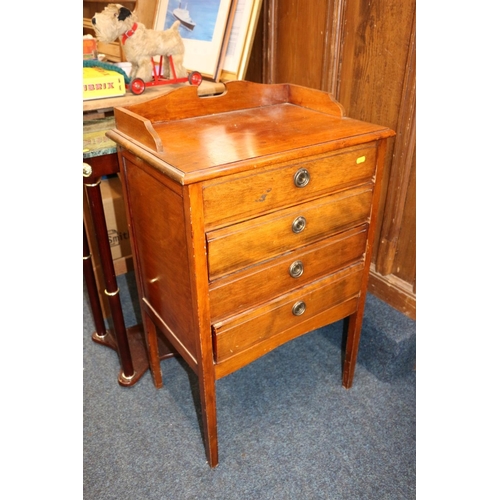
x=296, y=269
x=301, y=178
x=299, y=308
x=299, y=224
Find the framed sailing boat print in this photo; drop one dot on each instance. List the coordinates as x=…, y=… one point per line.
x=203, y=28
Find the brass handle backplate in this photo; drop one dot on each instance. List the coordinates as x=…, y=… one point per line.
x=296, y=269
x=299, y=308
x=299, y=224
x=301, y=178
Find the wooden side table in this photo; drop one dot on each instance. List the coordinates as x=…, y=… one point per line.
x=100, y=159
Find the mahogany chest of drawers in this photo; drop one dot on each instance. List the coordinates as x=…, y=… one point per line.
x=252, y=218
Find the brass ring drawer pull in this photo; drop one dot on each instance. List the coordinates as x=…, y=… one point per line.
x=299, y=224
x=301, y=178
x=299, y=308
x=296, y=269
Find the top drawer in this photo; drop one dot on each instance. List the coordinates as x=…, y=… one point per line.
x=236, y=197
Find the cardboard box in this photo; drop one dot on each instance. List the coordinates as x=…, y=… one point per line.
x=99, y=83
x=116, y=219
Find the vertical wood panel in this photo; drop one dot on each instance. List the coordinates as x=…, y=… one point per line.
x=399, y=178
x=404, y=265
x=270, y=40
x=376, y=43
x=302, y=29
x=377, y=84
x=334, y=42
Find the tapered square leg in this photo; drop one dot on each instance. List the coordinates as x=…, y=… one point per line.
x=151, y=337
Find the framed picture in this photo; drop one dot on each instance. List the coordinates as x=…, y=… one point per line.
x=235, y=60
x=204, y=31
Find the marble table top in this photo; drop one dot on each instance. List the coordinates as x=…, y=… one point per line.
x=95, y=142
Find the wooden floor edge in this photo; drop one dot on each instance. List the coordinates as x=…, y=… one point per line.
x=394, y=292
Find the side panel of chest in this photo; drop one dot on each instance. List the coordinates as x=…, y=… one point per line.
x=159, y=235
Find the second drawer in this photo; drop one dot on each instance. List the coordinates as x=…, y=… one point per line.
x=241, y=245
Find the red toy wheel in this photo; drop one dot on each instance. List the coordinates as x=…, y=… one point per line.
x=195, y=78
x=137, y=86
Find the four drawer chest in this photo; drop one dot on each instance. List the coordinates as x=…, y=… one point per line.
x=252, y=217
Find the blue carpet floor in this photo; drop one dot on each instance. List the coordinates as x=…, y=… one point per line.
x=287, y=428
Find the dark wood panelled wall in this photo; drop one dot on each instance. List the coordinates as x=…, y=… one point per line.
x=363, y=52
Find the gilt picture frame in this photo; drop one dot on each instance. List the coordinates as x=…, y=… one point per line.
x=237, y=55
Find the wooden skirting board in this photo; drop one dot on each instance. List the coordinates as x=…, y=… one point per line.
x=394, y=291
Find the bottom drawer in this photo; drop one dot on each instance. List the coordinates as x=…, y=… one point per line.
x=239, y=333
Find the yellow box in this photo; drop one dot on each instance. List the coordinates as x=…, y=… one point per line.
x=99, y=83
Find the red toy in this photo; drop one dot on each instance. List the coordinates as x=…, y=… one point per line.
x=138, y=85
